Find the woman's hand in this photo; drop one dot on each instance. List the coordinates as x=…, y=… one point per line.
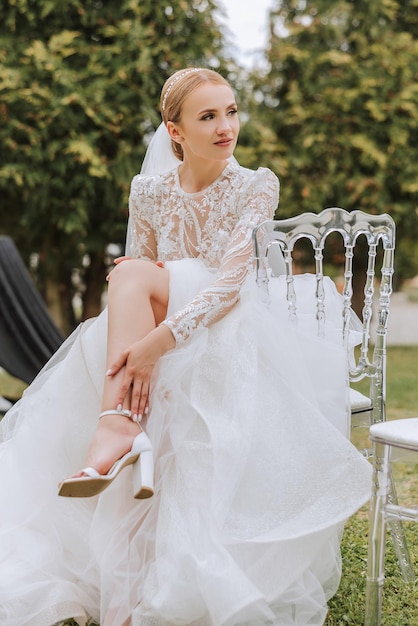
x=139, y=361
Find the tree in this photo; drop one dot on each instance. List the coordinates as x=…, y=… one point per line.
x=79, y=89
x=341, y=96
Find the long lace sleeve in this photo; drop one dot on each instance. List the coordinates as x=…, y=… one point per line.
x=259, y=200
x=141, y=204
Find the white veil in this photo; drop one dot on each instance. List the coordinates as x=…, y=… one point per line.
x=159, y=158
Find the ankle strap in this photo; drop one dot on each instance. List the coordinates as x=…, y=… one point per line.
x=124, y=412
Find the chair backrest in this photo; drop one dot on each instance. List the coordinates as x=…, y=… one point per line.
x=274, y=242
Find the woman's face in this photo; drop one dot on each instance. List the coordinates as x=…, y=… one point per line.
x=209, y=123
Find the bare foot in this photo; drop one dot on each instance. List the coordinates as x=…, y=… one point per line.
x=113, y=438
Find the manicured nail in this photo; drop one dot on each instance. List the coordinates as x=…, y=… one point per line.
x=146, y=410
x=119, y=407
x=135, y=417
x=139, y=418
x=108, y=372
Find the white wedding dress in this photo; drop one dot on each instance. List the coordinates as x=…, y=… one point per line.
x=254, y=475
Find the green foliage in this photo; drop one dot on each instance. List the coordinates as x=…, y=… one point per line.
x=401, y=389
x=335, y=115
x=341, y=96
x=347, y=607
x=79, y=90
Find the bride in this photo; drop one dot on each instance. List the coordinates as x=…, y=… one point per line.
x=176, y=463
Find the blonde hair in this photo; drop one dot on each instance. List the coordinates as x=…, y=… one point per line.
x=177, y=88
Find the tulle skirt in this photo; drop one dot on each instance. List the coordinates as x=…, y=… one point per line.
x=254, y=477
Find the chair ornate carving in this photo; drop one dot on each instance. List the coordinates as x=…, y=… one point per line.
x=274, y=244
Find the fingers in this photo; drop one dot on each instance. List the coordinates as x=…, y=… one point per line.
x=116, y=261
x=119, y=259
x=124, y=389
x=135, y=384
x=139, y=389
x=139, y=399
x=118, y=364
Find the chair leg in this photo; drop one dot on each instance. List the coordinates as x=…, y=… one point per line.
x=398, y=536
x=377, y=535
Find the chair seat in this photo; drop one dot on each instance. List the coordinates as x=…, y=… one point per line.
x=402, y=433
x=359, y=402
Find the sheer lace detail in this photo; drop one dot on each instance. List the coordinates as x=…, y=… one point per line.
x=214, y=225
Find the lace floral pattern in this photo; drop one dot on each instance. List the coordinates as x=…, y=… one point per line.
x=214, y=225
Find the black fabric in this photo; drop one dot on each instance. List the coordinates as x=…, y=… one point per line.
x=28, y=335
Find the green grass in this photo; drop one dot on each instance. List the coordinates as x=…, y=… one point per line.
x=400, y=599
x=402, y=382
x=346, y=608
x=10, y=387
x=400, y=606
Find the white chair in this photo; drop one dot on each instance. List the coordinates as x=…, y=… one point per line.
x=397, y=434
x=274, y=246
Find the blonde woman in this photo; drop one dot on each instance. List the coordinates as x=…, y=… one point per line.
x=213, y=487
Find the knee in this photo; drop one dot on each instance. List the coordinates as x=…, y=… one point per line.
x=131, y=272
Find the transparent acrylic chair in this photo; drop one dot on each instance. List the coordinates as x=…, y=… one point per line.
x=387, y=438
x=274, y=247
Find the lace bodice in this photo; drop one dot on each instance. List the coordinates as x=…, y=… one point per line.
x=214, y=225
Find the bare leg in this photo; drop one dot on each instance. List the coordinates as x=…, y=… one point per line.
x=137, y=303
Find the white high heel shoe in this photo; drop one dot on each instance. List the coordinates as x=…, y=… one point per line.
x=140, y=456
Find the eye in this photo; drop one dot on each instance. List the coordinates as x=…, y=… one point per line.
x=233, y=112
x=208, y=116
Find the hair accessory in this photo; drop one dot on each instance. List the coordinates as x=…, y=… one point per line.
x=175, y=80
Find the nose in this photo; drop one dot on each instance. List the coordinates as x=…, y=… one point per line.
x=224, y=125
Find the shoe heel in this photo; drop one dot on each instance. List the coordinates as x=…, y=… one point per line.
x=143, y=475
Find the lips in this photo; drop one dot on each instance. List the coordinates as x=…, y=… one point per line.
x=224, y=142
